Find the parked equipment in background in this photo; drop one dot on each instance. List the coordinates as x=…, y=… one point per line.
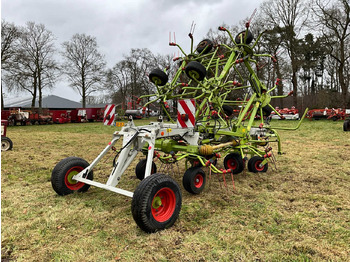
x=326, y=113
x=286, y=113
x=346, y=125
x=60, y=116
x=6, y=143
x=40, y=118
x=135, y=113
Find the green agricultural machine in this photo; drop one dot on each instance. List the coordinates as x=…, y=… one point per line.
x=210, y=125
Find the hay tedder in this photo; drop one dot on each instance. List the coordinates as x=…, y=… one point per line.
x=210, y=124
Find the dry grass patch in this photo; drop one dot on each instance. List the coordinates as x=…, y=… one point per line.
x=298, y=212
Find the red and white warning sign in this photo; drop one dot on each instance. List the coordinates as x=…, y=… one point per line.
x=186, y=110
x=108, y=115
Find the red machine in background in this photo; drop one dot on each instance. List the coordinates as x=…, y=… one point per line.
x=60, y=116
x=17, y=116
x=93, y=114
x=287, y=113
x=6, y=143
x=39, y=118
x=326, y=113
x=77, y=116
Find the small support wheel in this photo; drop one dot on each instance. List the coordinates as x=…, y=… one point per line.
x=156, y=203
x=6, y=143
x=266, y=110
x=228, y=110
x=346, y=125
x=141, y=169
x=234, y=162
x=194, y=180
x=241, y=37
x=204, y=46
x=62, y=174
x=254, y=164
x=195, y=71
x=158, y=77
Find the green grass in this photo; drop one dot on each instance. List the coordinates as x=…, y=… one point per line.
x=299, y=212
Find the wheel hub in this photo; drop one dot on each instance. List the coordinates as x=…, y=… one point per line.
x=194, y=74
x=70, y=177
x=163, y=205
x=198, y=181
x=157, y=202
x=156, y=80
x=5, y=145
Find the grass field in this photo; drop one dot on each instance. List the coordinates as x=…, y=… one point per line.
x=299, y=212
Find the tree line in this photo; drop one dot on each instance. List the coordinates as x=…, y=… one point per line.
x=308, y=38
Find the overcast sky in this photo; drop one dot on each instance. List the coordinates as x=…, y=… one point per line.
x=120, y=25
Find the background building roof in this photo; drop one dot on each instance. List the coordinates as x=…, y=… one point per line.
x=49, y=101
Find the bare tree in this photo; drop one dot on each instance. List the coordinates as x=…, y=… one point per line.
x=333, y=18
x=9, y=37
x=83, y=64
x=271, y=43
x=129, y=78
x=290, y=17
x=139, y=63
x=118, y=81
x=33, y=67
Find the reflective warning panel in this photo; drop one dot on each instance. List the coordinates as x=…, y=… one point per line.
x=186, y=110
x=108, y=115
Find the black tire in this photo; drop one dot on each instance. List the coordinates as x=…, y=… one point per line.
x=194, y=180
x=156, y=203
x=346, y=125
x=195, y=71
x=205, y=45
x=228, y=110
x=158, y=77
x=141, y=169
x=241, y=37
x=6, y=143
x=62, y=173
x=234, y=162
x=254, y=162
x=267, y=110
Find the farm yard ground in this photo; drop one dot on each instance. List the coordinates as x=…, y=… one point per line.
x=299, y=212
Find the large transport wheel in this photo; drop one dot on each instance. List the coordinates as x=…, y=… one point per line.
x=241, y=37
x=234, y=162
x=254, y=164
x=194, y=180
x=6, y=143
x=195, y=71
x=156, y=203
x=205, y=45
x=158, y=77
x=61, y=177
x=141, y=169
x=346, y=125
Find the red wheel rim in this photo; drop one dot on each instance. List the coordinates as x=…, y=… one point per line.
x=198, y=181
x=257, y=166
x=70, y=183
x=163, y=204
x=231, y=164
